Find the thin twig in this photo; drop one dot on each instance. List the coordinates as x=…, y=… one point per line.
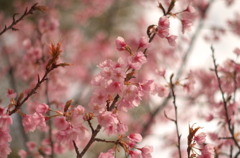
x=235, y=85
x=225, y=138
x=33, y=91
x=90, y=125
x=52, y=64
x=49, y=122
x=179, y=73
x=15, y=21
x=231, y=151
x=106, y=141
x=237, y=154
x=176, y=115
x=76, y=148
x=228, y=120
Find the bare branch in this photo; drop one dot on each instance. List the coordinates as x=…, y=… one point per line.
x=15, y=21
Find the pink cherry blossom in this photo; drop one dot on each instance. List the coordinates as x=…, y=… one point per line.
x=118, y=74
x=31, y=145
x=163, y=32
x=33, y=54
x=172, y=40
x=26, y=43
x=120, y=44
x=79, y=110
x=106, y=72
x=80, y=132
x=4, y=136
x=237, y=51
x=42, y=108
x=207, y=151
x=143, y=43
x=110, y=130
x=137, y=60
x=122, y=128
x=200, y=138
x=47, y=150
x=61, y=123
x=135, y=137
x=39, y=120
x=4, y=150
x=190, y=9
x=62, y=137
x=99, y=96
x=5, y=121
x=186, y=25
x=59, y=148
x=161, y=71
x=209, y=117
x=134, y=154
x=115, y=87
x=130, y=93
x=163, y=22
x=11, y=93
x=146, y=85
x=108, y=154
x=22, y=153
x=125, y=105
x=107, y=118
x=146, y=151
x=161, y=90
x=29, y=123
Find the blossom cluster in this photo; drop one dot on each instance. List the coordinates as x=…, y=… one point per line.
x=119, y=109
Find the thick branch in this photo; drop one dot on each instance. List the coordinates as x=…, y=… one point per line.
x=92, y=139
x=96, y=131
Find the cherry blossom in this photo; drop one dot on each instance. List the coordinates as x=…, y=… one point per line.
x=135, y=137
x=61, y=123
x=42, y=108
x=120, y=44
x=11, y=93
x=104, y=97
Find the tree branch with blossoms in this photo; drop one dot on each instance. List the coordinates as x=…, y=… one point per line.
x=185, y=58
x=175, y=120
x=26, y=13
x=225, y=102
x=52, y=64
x=106, y=114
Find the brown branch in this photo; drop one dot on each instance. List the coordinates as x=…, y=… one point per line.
x=33, y=91
x=237, y=154
x=235, y=85
x=106, y=141
x=90, y=125
x=97, y=130
x=176, y=115
x=92, y=139
x=15, y=21
x=228, y=120
x=52, y=64
x=179, y=73
x=49, y=123
x=76, y=148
